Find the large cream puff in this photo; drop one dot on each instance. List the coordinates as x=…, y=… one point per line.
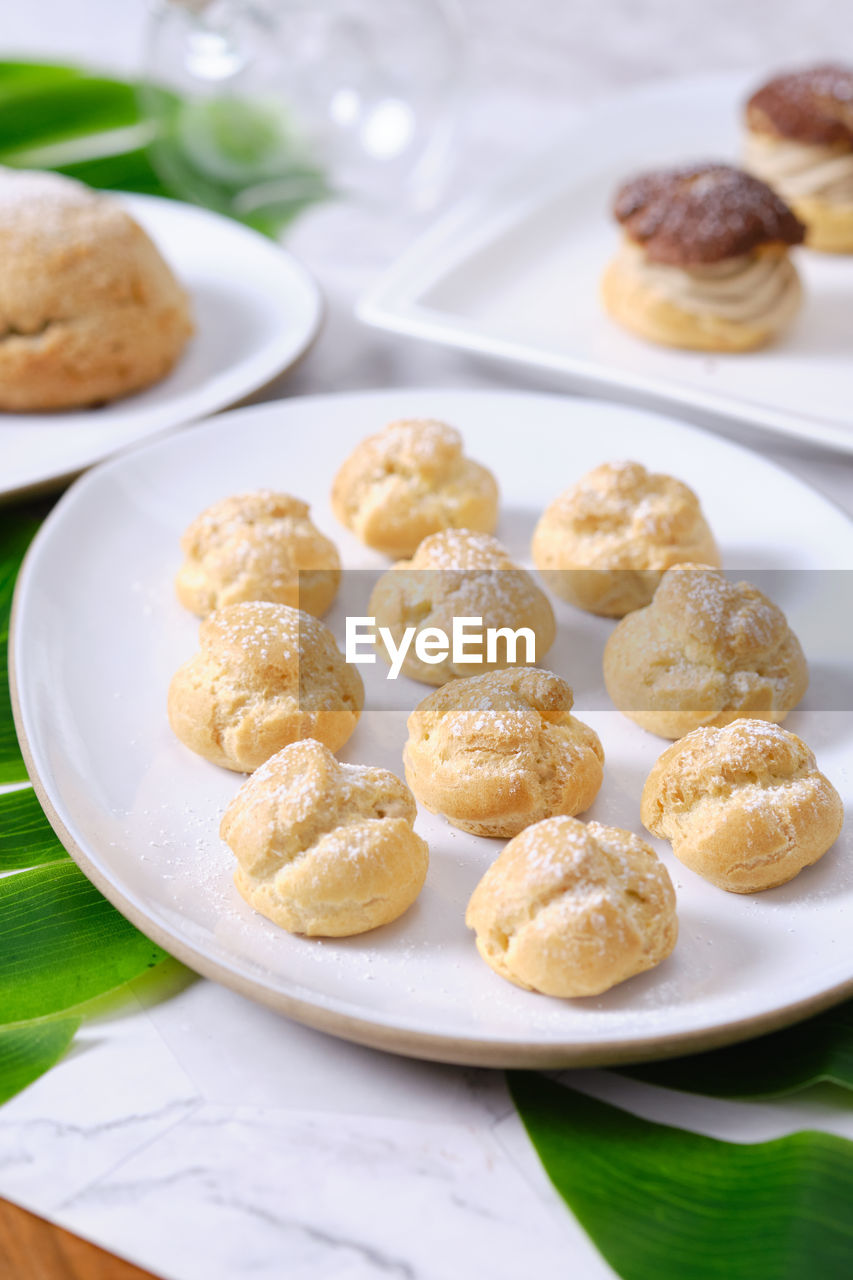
x=704, y=262
x=89, y=309
x=799, y=139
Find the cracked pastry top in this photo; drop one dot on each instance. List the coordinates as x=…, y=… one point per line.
x=323, y=848
x=799, y=138
x=409, y=481
x=497, y=752
x=257, y=546
x=462, y=574
x=265, y=675
x=570, y=909
x=603, y=543
x=89, y=310
x=704, y=652
x=744, y=806
x=704, y=259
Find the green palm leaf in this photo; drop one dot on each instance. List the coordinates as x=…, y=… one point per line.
x=664, y=1204
x=94, y=128
x=27, y=1052
x=61, y=943
x=819, y=1050
x=26, y=837
x=48, y=105
x=17, y=528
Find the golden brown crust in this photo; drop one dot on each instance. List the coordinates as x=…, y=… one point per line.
x=458, y=573
x=325, y=849
x=495, y=753
x=409, y=481
x=604, y=543
x=630, y=300
x=264, y=676
x=257, y=546
x=829, y=227
x=744, y=805
x=814, y=105
x=703, y=214
x=570, y=909
x=706, y=651
x=89, y=310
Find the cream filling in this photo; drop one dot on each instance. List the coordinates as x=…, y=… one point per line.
x=800, y=170
x=760, y=288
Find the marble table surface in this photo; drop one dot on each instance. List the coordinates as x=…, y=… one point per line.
x=209, y=1139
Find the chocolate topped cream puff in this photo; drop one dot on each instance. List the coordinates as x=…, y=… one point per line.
x=799, y=138
x=704, y=262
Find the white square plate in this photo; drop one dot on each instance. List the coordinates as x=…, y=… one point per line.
x=513, y=273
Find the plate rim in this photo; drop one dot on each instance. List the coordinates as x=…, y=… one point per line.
x=493, y=1052
x=132, y=200
x=393, y=302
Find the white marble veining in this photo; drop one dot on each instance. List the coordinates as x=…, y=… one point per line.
x=209, y=1139
x=352, y=1196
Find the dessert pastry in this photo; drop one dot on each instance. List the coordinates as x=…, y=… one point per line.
x=498, y=752
x=744, y=806
x=799, y=139
x=89, y=311
x=704, y=652
x=570, y=909
x=409, y=481
x=704, y=263
x=264, y=676
x=325, y=849
x=257, y=546
x=604, y=542
x=458, y=575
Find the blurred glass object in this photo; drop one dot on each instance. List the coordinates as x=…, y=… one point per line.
x=261, y=106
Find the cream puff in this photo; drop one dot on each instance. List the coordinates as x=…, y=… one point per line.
x=264, y=675
x=257, y=546
x=603, y=543
x=704, y=261
x=570, y=909
x=745, y=806
x=409, y=481
x=459, y=574
x=89, y=308
x=706, y=651
x=799, y=139
x=495, y=753
x=325, y=849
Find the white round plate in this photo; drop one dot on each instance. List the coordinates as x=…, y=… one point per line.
x=97, y=634
x=256, y=311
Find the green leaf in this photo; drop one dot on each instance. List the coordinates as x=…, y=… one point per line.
x=30, y=76
x=27, y=1052
x=26, y=837
x=61, y=943
x=104, y=131
x=130, y=170
x=664, y=1204
x=43, y=108
x=819, y=1050
x=17, y=528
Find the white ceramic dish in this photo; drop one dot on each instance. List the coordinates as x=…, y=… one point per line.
x=256, y=311
x=513, y=274
x=97, y=634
